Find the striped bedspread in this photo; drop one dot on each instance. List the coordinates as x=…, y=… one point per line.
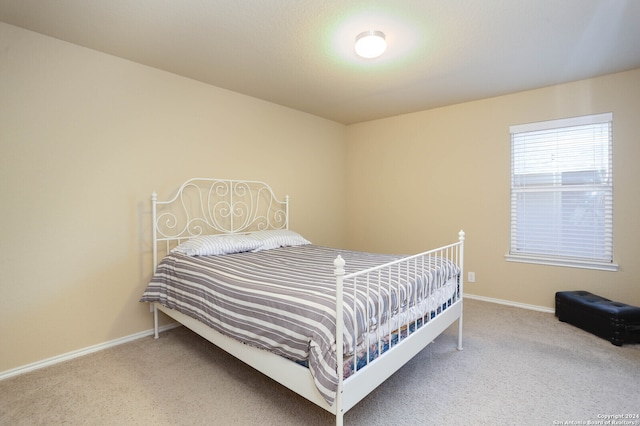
x=283, y=300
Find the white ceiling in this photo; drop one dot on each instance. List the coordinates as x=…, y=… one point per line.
x=299, y=53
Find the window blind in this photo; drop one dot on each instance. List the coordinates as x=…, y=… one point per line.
x=562, y=189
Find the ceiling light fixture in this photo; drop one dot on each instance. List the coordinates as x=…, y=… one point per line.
x=370, y=44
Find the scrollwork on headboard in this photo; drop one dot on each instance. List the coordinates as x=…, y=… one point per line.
x=205, y=206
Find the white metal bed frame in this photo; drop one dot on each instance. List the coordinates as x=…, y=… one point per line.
x=205, y=206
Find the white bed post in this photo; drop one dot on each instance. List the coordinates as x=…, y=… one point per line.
x=461, y=264
x=154, y=199
x=286, y=208
x=156, y=333
x=339, y=272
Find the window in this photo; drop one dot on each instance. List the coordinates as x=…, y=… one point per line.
x=562, y=192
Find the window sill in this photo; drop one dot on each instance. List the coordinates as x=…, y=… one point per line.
x=541, y=260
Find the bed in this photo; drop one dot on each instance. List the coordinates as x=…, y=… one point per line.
x=329, y=324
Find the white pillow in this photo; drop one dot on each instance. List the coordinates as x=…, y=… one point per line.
x=211, y=245
x=278, y=238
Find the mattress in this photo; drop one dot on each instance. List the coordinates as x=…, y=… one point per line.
x=283, y=300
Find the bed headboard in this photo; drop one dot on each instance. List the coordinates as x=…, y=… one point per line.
x=204, y=206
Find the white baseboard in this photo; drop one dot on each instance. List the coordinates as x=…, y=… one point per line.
x=510, y=303
x=81, y=352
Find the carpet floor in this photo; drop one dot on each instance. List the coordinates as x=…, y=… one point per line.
x=517, y=367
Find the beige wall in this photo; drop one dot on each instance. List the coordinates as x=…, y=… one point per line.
x=414, y=180
x=84, y=140
x=86, y=137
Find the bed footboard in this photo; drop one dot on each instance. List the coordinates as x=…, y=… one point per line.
x=432, y=284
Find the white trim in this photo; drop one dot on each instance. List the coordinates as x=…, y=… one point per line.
x=569, y=263
x=510, y=303
x=562, y=122
x=81, y=352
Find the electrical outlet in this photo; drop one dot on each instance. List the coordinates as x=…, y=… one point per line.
x=471, y=277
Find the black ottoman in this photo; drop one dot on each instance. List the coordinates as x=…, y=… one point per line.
x=617, y=322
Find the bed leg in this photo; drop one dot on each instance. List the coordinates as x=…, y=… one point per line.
x=460, y=333
x=339, y=418
x=155, y=322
